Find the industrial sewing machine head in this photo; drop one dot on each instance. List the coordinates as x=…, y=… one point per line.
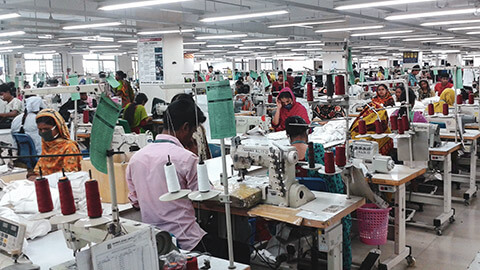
x=245, y=123
x=367, y=152
x=283, y=189
x=447, y=122
x=129, y=142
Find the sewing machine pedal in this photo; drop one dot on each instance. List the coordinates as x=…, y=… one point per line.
x=371, y=260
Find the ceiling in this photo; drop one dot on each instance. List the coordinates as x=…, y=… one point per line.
x=43, y=22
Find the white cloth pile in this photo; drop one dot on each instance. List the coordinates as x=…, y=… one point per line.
x=330, y=132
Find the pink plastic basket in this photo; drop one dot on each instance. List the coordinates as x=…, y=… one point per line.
x=373, y=224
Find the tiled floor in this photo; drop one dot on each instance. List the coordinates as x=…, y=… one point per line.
x=455, y=249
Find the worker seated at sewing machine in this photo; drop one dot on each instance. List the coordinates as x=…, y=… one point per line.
x=136, y=114
x=25, y=123
x=55, y=141
x=415, y=116
x=12, y=105
x=279, y=84
x=286, y=107
x=82, y=104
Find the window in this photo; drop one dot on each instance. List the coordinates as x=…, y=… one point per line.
x=35, y=63
x=94, y=63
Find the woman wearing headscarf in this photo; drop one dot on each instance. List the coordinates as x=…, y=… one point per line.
x=124, y=90
x=287, y=106
x=383, y=97
x=55, y=141
x=136, y=114
x=425, y=91
x=25, y=122
x=447, y=96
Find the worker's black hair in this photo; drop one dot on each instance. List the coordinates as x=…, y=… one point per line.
x=425, y=81
x=416, y=68
x=180, y=112
x=46, y=120
x=384, y=86
x=121, y=74
x=280, y=73
x=247, y=73
x=130, y=111
x=8, y=87
x=411, y=99
x=444, y=75
x=182, y=96
x=210, y=67
x=285, y=94
x=295, y=126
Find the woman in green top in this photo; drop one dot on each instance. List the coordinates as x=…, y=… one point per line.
x=135, y=113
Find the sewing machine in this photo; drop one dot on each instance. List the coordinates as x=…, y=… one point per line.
x=448, y=121
x=129, y=142
x=160, y=109
x=246, y=123
x=367, y=151
x=282, y=189
x=12, y=236
x=469, y=109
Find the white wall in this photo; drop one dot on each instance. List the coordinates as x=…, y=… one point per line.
x=173, y=62
x=298, y=65
x=124, y=63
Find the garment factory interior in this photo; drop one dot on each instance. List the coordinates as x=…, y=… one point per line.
x=239, y=134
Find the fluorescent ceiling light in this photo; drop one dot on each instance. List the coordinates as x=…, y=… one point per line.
x=195, y=43
x=221, y=36
x=450, y=22
x=45, y=36
x=246, y=15
x=446, y=51
x=368, y=27
x=9, y=16
x=222, y=45
x=105, y=46
x=234, y=52
x=456, y=41
x=212, y=51
x=304, y=24
x=128, y=41
x=5, y=51
x=5, y=42
x=368, y=47
x=191, y=50
x=55, y=45
x=431, y=14
x=410, y=36
x=12, y=47
x=252, y=47
x=473, y=33
x=306, y=49
x=175, y=31
x=45, y=52
x=139, y=4
x=464, y=28
x=381, y=33
x=380, y=4
x=427, y=38
x=91, y=25
x=264, y=40
x=297, y=42
x=11, y=33
x=103, y=50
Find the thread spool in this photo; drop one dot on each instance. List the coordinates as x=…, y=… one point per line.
x=445, y=109
x=401, y=128
x=393, y=122
x=471, y=98
x=86, y=116
x=309, y=91
x=192, y=263
x=329, y=163
x=270, y=98
x=67, y=203
x=44, y=196
x=311, y=156
x=431, y=111
x=171, y=175
x=94, y=203
x=203, y=182
x=459, y=99
x=330, y=87
x=378, y=127
x=406, y=124
x=340, y=157
x=362, y=127
x=339, y=85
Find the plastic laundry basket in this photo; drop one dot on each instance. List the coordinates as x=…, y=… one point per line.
x=373, y=224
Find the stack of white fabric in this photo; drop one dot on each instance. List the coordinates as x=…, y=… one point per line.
x=330, y=132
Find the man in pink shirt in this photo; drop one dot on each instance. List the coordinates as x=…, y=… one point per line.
x=147, y=182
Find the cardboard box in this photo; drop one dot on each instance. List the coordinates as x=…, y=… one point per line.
x=104, y=185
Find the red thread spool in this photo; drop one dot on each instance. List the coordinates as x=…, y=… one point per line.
x=378, y=127
x=362, y=127
x=192, y=263
x=401, y=128
x=431, y=111
x=94, y=204
x=471, y=98
x=393, y=122
x=270, y=98
x=340, y=158
x=44, y=197
x=339, y=85
x=445, y=109
x=366, y=88
x=67, y=203
x=86, y=116
x=309, y=92
x=406, y=125
x=329, y=165
x=459, y=99
x=311, y=156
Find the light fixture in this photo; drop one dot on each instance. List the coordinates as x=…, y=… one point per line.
x=464, y=28
x=380, y=4
x=174, y=31
x=381, y=33
x=105, y=46
x=91, y=25
x=239, y=51
x=55, y=45
x=5, y=42
x=45, y=36
x=368, y=47
x=191, y=50
x=450, y=22
x=9, y=16
x=45, y=52
x=457, y=41
x=431, y=14
x=473, y=33
x=263, y=40
x=222, y=45
x=128, y=41
x=427, y=38
x=446, y=51
x=139, y=4
x=316, y=44
x=103, y=50
x=221, y=36
x=344, y=29
x=246, y=15
x=410, y=36
x=195, y=43
x=253, y=47
x=12, y=47
x=306, y=49
x=11, y=33
x=5, y=51
x=297, y=42
x=304, y=24
x=212, y=51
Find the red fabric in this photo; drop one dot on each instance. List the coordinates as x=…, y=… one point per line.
x=277, y=86
x=296, y=110
x=290, y=80
x=439, y=87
